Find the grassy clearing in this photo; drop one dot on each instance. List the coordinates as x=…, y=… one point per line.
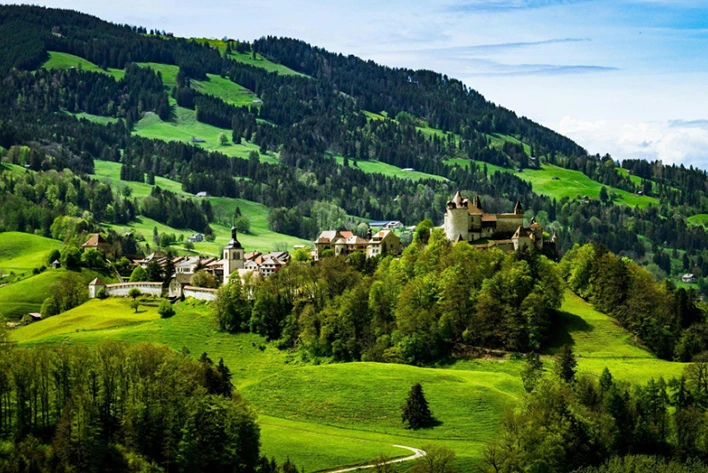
x=66, y=61
x=377, y=167
x=95, y=118
x=185, y=126
x=260, y=237
x=571, y=184
x=700, y=219
x=264, y=63
x=217, y=86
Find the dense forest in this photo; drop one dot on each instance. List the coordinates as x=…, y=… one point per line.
x=123, y=408
x=579, y=423
x=309, y=119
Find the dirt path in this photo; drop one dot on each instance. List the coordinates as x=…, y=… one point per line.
x=417, y=453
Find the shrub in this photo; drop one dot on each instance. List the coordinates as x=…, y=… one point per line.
x=102, y=293
x=138, y=275
x=49, y=307
x=134, y=293
x=53, y=256
x=166, y=310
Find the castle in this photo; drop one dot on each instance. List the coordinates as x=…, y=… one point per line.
x=465, y=220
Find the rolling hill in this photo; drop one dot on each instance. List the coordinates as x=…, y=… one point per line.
x=323, y=416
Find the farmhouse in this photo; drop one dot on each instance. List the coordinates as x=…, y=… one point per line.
x=197, y=238
x=96, y=242
x=465, y=220
x=688, y=277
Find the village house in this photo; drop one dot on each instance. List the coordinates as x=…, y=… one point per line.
x=96, y=242
x=266, y=264
x=344, y=243
x=196, y=238
x=465, y=220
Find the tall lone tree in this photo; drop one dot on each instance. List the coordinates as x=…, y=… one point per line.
x=416, y=413
x=565, y=364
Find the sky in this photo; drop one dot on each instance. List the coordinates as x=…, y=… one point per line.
x=624, y=77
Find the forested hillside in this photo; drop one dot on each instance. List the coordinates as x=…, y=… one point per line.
x=339, y=133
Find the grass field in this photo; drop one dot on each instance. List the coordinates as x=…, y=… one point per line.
x=185, y=126
x=66, y=61
x=27, y=295
x=95, y=118
x=345, y=414
x=223, y=88
x=21, y=252
x=264, y=63
x=569, y=184
x=700, y=219
x=259, y=238
x=377, y=167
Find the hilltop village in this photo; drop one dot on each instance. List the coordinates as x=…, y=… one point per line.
x=464, y=220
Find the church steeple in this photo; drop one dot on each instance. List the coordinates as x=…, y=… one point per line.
x=518, y=209
x=233, y=256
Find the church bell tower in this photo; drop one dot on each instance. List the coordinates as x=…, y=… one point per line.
x=233, y=256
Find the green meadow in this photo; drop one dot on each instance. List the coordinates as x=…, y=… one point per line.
x=259, y=238
x=21, y=252
x=263, y=63
x=27, y=295
x=700, y=219
x=66, y=61
x=388, y=170
x=569, y=183
x=221, y=87
x=329, y=415
x=184, y=126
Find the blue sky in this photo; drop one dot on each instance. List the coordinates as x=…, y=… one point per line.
x=626, y=77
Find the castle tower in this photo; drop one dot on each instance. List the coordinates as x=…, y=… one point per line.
x=457, y=219
x=233, y=256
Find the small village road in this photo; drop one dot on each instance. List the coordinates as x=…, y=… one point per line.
x=417, y=453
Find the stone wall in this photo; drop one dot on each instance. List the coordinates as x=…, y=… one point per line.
x=201, y=293
x=121, y=290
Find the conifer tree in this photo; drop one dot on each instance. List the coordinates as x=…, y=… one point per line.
x=565, y=364
x=416, y=413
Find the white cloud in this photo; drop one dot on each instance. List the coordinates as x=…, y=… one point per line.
x=674, y=141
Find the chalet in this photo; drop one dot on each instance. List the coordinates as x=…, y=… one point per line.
x=201, y=194
x=387, y=224
x=688, y=278
x=196, y=238
x=197, y=140
x=96, y=242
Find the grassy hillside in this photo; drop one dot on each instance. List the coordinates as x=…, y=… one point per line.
x=700, y=219
x=185, y=126
x=66, y=61
x=341, y=414
x=377, y=167
x=259, y=238
x=21, y=252
x=569, y=183
x=221, y=87
x=27, y=295
x=260, y=61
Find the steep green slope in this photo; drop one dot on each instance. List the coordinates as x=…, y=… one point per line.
x=22, y=252
x=67, y=61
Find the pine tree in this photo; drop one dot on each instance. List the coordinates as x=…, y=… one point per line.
x=416, y=413
x=565, y=364
x=532, y=371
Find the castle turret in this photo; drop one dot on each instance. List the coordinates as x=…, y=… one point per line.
x=457, y=219
x=233, y=256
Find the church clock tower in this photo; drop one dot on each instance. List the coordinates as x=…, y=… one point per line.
x=233, y=256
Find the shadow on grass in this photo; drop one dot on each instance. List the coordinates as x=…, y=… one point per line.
x=563, y=325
